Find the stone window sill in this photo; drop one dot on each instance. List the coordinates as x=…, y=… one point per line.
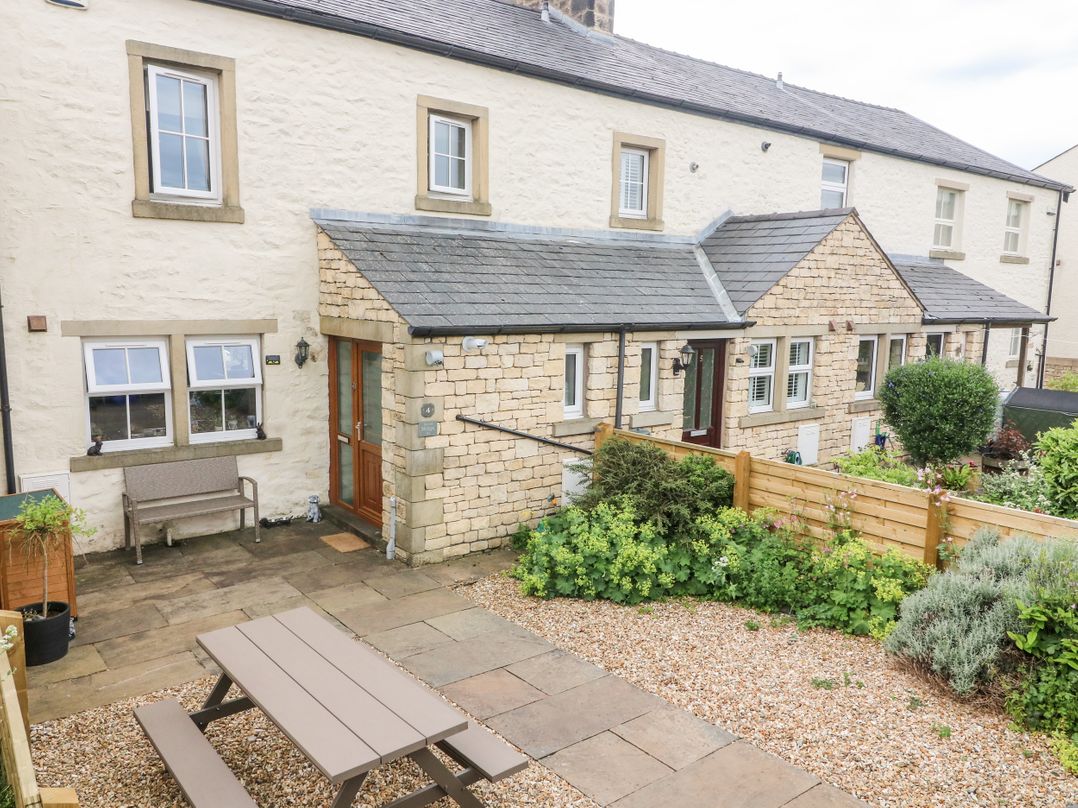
x=167, y=454
x=653, y=418
x=154, y=209
x=1013, y=259
x=576, y=426
x=630, y=223
x=952, y=255
x=784, y=417
x=865, y=405
x=469, y=206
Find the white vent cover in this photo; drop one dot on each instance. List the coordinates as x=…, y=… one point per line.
x=860, y=433
x=808, y=444
x=60, y=480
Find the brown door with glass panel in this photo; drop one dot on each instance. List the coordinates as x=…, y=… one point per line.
x=355, y=414
x=704, y=386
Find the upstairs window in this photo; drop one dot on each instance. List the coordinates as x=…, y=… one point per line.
x=865, y=376
x=634, y=183
x=799, y=375
x=649, y=375
x=574, y=381
x=225, y=381
x=183, y=131
x=1014, y=227
x=129, y=404
x=636, y=198
x=948, y=211
x=762, y=375
x=835, y=182
x=450, y=156
x=1016, y=343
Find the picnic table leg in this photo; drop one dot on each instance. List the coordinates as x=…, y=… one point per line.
x=454, y=788
x=348, y=791
x=220, y=690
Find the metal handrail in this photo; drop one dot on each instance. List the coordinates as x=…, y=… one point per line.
x=548, y=441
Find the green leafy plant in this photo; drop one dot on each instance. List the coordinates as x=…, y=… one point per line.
x=1068, y=382
x=940, y=409
x=942, y=730
x=518, y=539
x=877, y=464
x=823, y=684
x=956, y=477
x=1015, y=487
x=752, y=625
x=913, y=704
x=1057, y=450
x=44, y=527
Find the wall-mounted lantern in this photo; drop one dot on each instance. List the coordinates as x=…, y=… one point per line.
x=682, y=362
x=303, y=352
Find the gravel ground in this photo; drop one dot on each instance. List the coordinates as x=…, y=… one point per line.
x=837, y=706
x=103, y=754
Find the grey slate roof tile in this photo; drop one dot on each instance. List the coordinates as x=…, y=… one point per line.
x=502, y=34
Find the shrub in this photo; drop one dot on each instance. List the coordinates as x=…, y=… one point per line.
x=940, y=409
x=877, y=464
x=1068, y=382
x=1014, y=488
x=1058, y=457
x=672, y=494
x=1007, y=444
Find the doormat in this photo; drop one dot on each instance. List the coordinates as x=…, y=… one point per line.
x=345, y=542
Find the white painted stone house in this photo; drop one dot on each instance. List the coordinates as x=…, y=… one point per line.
x=1062, y=348
x=132, y=226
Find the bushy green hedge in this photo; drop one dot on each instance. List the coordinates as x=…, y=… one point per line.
x=1068, y=382
x=877, y=464
x=1057, y=451
x=610, y=553
x=940, y=409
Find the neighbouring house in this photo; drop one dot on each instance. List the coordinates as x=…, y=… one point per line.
x=543, y=202
x=1062, y=345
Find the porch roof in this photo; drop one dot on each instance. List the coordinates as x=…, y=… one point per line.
x=444, y=277
x=948, y=296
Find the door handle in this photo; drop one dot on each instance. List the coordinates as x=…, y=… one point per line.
x=359, y=429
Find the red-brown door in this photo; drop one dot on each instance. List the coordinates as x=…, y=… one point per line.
x=355, y=415
x=704, y=388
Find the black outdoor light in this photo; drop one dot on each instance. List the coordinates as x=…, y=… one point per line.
x=682, y=363
x=303, y=352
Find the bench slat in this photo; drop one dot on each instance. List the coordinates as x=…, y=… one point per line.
x=179, y=510
x=483, y=751
x=201, y=774
x=181, y=478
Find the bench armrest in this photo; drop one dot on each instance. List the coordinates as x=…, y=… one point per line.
x=130, y=504
x=254, y=486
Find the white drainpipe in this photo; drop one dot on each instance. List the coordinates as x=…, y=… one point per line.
x=391, y=544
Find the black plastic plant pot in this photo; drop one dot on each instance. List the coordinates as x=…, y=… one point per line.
x=46, y=638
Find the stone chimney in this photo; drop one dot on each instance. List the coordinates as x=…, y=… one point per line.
x=595, y=14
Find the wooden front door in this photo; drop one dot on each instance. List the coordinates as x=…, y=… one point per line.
x=704, y=388
x=355, y=431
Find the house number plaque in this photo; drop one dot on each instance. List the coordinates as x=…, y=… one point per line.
x=428, y=429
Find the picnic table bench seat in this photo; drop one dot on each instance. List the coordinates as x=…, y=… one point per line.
x=480, y=749
x=205, y=779
x=165, y=492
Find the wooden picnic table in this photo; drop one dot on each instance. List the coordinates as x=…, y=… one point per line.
x=345, y=708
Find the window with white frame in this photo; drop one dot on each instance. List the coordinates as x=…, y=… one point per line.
x=574, y=381
x=799, y=374
x=225, y=388
x=184, y=133
x=762, y=375
x=896, y=352
x=1016, y=343
x=948, y=208
x=649, y=376
x=634, y=183
x=834, y=183
x=450, y=170
x=129, y=404
x=933, y=345
x=1014, y=227
x=865, y=376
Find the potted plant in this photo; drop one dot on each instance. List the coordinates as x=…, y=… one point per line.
x=1007, y=449
x=45, y=525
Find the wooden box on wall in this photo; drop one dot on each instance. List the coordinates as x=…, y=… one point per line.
x=20, y=575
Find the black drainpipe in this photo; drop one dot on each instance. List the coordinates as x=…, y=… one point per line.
x=621, y=377
x=5, y=410
x=1051, y=284
x=984, y=344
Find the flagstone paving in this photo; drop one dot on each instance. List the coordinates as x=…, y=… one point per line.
x=615, y=742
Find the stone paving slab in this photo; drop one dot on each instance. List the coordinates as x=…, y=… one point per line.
x=346, y=596
x=737, y=776
x=606, y=767
x=81, y=660
x=491, y=693
x=398, y=584
x=459, y=660
x=406, y=641
x=104, y=625
x=237, y=572
x=226, y=599
x=165, y=641
x=674, y=736
x=556, y=671
x=475, y=622
x=826, y=796
x=409, y=609
x=123, y=596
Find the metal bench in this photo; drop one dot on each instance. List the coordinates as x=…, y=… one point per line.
x=204, y=778
x=164, y=492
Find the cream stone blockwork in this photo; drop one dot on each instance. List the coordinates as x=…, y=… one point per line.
x=1063, y=334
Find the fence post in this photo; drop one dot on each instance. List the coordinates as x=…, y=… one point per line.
x=742, y=467
x=17, y=655
x=933, y=531
x=602, y=432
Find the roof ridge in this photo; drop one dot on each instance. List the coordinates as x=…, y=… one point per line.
x=792, y=215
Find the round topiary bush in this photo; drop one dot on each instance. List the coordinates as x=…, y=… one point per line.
x=940, y=409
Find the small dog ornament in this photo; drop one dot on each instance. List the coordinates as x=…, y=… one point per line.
x=314, y=513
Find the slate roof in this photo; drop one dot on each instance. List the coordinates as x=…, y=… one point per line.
x=444, y=280
x=948, y=296
x=750, y=254
x=505, y=36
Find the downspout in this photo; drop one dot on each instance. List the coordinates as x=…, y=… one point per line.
x=621, y=378
x=5, y=410
x=1051, y=286
x=984, y=343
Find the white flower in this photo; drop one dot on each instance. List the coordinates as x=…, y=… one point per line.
x=723, y=561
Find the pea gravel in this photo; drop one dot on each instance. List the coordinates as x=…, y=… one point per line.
x=103, y=754
x=837, y=706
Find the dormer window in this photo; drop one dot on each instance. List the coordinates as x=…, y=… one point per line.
x=834, y=183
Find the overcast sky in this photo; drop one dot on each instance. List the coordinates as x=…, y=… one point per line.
x=1000, y=74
